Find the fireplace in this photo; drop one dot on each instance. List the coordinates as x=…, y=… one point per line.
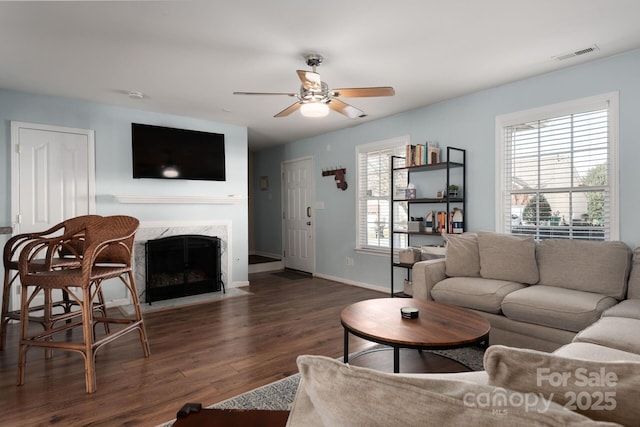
x=183, y=265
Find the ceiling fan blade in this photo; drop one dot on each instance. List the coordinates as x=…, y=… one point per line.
x=290, y=109
x=310, y=80
x=358, y=92
x=346, y=109
x=265, y=93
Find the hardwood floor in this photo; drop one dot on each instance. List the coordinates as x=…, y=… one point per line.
x=204, y=353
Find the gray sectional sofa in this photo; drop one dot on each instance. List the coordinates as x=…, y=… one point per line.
x=535, y=295
x=567, y=312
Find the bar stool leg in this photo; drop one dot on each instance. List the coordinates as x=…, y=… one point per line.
x=88, y=338
x=47, y=323
x=24, y=333
x=6, y=291
x=131, y=284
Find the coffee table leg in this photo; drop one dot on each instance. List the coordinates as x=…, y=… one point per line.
x=346, y=346
x=396, y=360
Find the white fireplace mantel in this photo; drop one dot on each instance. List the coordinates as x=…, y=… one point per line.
x=157, y=229
x=202, y=199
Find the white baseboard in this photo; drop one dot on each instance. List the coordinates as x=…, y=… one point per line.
x=239, y=284
x=354, y=283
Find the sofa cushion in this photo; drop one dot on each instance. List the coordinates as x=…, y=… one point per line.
x=615, y=332
x=605, y=391
x=600, y=267
x=474, y=292
x=595, y=352
x=628, y=308
x=462, y=258
x=335, y=394
x=304, y=414
x=634, y=276
x=507, y=257
x=559, y=308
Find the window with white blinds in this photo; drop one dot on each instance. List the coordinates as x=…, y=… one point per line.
x=558, y=171
x=374, y=192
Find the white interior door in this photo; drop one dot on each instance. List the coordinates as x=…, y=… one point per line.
x=53, y=177
x=297, y=200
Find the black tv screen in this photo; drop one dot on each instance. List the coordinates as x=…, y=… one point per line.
x=169, y=153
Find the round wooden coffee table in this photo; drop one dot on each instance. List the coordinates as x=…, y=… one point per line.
x=437, y=327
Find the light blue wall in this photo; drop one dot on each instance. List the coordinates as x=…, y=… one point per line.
x=467, y=122
x=112, y=126
x=266, y=204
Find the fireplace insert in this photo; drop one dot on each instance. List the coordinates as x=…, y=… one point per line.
x=178, y=266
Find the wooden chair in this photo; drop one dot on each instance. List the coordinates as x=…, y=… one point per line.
x=42, y=314
x=107, y=254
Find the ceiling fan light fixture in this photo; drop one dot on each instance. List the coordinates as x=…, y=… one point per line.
x=313, y=77
x=314, y=109
x=316, y=100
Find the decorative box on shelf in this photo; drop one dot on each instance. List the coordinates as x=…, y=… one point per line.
x=409, y=255
x=410, y=193
x=415, y=226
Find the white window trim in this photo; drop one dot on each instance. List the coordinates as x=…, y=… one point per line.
x=555, y=110
x=363, y=148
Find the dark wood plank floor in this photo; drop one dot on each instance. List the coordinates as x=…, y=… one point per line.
x=204, y=353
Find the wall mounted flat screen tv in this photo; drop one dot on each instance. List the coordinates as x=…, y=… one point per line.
x=169, y=153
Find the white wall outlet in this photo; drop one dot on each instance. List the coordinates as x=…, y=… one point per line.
x=349, y=261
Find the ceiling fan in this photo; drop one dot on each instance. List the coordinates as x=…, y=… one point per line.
x=315, y=99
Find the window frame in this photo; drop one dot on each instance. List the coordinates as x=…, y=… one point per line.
x=398, y=143
x=608, y=100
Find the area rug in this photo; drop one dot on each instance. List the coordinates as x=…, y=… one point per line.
x=279, y=395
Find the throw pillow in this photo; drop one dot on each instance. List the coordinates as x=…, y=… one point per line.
x=345, y=396
x=302, y=412
x=506, y=257
x=590, y=266
x=462, y=258
x=634, y=276
x=606, y=391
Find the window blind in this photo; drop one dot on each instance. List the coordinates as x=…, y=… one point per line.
x=557, y=176
x=374, y=193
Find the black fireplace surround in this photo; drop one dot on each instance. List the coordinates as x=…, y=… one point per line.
x=179, y=266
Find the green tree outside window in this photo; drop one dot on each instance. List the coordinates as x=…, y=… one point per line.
x=537, y=204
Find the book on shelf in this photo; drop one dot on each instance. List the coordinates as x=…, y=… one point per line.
x=415, y=155
x=432, y=155
x=421, y=154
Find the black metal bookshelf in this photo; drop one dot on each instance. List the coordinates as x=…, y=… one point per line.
x=447, y=202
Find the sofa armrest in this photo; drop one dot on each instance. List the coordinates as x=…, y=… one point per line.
x=425, y=275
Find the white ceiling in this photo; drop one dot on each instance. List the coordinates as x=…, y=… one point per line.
x=187, y=57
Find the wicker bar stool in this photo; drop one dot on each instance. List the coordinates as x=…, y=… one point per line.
x=42, y=314
x=107, y=254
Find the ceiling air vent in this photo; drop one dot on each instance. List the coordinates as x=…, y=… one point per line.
x=584, y=51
